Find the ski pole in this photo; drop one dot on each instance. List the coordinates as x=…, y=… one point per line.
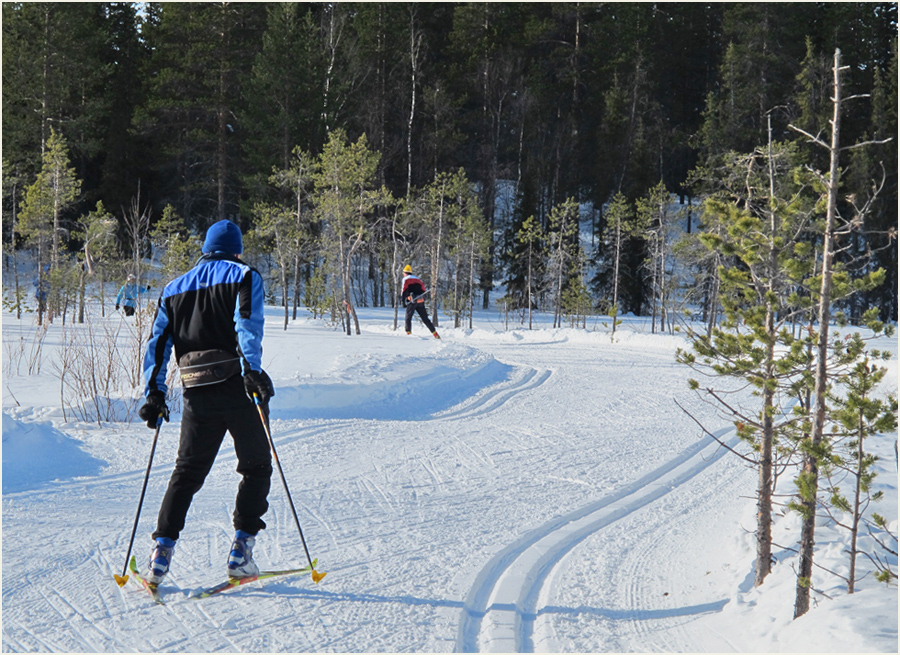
x=262, y=417
x=122, y=579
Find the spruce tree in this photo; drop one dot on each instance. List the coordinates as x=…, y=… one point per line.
x=284, y=101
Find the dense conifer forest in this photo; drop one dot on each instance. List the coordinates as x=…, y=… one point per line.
x=473, y=139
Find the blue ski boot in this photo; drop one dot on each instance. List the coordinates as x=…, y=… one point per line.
x=160, y=559
x=240, y=560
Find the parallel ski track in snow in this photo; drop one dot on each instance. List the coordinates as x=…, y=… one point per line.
x=501, y=609
x=524, y=379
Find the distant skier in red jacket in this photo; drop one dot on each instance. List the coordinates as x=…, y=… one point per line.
x=413, y=298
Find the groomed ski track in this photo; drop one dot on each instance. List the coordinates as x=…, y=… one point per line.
x=501, y=609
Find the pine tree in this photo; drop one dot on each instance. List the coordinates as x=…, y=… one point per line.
x=874, y=166
x=762, y=209
x=346, y=200
x=652, y=211
x=531, y=238
x=621, y=226
x=833, y=283
x=277, y=228
x=177, y=246
x=563, y=250
x=55, y=76
x=295, y=181
x=98, y=237
x=756, y=73
x=576, y=300
x=41, y=221
x=470, y=239
x=486, y=40
x=512, y=255
x=202, y=55
x=12, y=190
x=123, y=159
x=859, y=414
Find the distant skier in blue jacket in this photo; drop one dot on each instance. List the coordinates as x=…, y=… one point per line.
x=127, y=296
x=212, y=316
x=42, y=285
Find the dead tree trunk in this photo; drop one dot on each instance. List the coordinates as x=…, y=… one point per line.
x=810, y=463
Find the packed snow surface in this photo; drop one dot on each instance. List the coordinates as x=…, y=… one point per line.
x=495, y=490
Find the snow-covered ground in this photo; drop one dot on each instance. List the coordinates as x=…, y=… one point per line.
x=532, y=491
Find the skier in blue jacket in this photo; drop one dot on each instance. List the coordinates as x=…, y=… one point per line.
x=127, y=296
x=212, y=316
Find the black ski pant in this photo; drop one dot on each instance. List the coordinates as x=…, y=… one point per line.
x=419, y=307
x=209, y=412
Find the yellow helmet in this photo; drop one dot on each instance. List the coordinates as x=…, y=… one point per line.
x=407, y=269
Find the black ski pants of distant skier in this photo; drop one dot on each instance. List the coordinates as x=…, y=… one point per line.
x=209, y=412
x=418, y=306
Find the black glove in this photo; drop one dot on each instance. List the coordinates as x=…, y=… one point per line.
x=117, y=306
x=154, y=408
x=259, y=383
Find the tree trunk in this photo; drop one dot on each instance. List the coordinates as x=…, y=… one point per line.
x=284, y=285
x=618, y=256
x=854, y=530
x=811, y=464
x=436, y=263
x=415, y=41
x=765, y=488
x=472, y=281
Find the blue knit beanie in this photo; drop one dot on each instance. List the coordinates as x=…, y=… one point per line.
x=224, y=236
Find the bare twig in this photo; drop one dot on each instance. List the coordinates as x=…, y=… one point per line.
x=714, y=437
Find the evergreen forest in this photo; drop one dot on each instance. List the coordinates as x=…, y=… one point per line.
x=531, y=156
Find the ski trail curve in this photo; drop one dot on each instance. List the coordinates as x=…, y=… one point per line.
x=501, y=607
x=493, y=397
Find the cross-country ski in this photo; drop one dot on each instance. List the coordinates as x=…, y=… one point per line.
x=149, y=586
x=232, y=583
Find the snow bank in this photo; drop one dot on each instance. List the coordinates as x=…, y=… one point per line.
x=37, y=453
x=391, y=386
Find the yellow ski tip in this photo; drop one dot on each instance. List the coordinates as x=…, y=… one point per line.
x=317, y=576
x=121, y=579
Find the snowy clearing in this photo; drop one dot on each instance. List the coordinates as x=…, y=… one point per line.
x=530, y=491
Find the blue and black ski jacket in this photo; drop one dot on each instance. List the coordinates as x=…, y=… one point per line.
x=217, y=305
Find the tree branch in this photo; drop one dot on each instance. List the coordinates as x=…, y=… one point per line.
x=714, y=437
x=814, y=139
